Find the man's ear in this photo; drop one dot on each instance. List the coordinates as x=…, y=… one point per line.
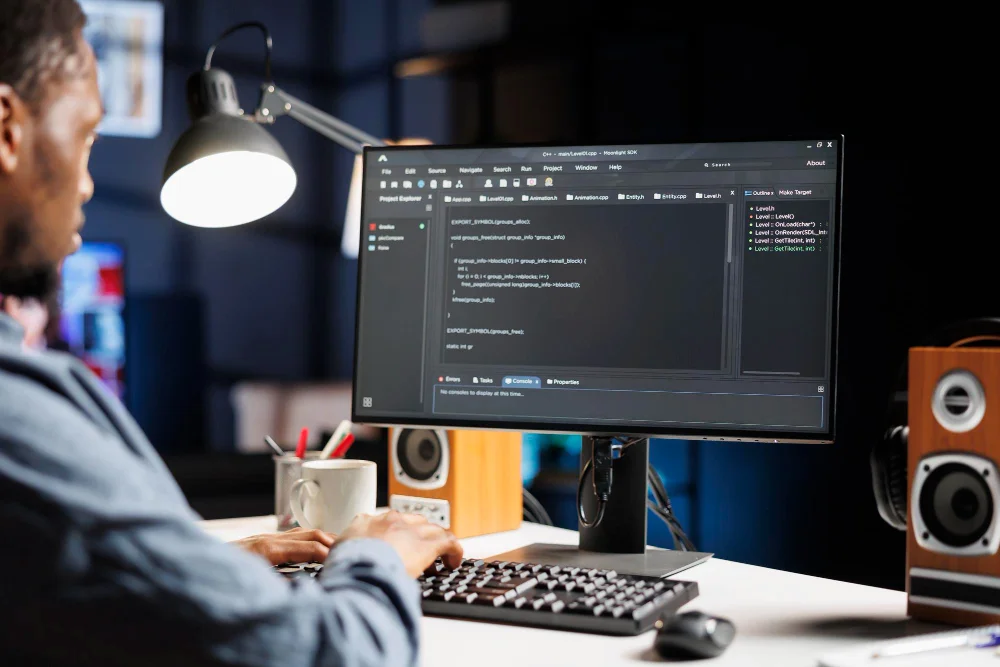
x=13, y=114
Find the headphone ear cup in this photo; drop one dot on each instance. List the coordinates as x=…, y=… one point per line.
x=889, y=476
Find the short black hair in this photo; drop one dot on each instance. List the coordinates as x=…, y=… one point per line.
x=36, y=38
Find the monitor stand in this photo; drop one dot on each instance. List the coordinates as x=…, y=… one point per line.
x=619, y=541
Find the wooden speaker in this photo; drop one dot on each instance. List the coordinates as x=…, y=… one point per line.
x=952, y=560
x=466, y=481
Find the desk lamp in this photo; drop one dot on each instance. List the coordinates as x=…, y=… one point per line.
x=226, y=169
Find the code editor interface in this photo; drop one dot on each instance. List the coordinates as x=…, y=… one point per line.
x=665, y=288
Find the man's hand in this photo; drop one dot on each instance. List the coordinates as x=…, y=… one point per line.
x=417, y=541
x=295, y=546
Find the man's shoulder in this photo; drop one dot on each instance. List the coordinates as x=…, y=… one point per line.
x=32, y=400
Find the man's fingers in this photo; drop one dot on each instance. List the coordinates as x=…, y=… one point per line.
x=296, y=551
x=413, y=519
x=451, y=551
x=304, y=535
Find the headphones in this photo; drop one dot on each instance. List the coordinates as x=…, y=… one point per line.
x=888, y=457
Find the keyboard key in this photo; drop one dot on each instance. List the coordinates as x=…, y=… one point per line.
x=537, y=604
x=549, y=597
x=588, y=588
x=644, y=610
x=470, y=598
x=552, y=585
x=589, y=601
x=557, y=606
x=542, y=576
x=569, y=586
x=488, y=600
x=527, y=585
x=630, y=590
x=618, y=612
x=573, y=571
x=610, y=574
x=427, y=593
x=520, y=602
x=659, y=586
x=600, y=581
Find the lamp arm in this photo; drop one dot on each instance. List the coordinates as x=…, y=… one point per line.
x=275, y=102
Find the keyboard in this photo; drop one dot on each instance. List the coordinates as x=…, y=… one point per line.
x=545, y=596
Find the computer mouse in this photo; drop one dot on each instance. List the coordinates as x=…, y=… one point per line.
x=693, y=635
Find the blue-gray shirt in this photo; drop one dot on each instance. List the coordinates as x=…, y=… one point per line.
x=101, y=561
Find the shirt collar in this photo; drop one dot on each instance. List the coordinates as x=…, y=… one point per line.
x=11, y=333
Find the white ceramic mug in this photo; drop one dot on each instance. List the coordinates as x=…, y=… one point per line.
x=332, y=492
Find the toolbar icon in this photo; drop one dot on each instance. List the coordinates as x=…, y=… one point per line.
x=446, y=183
x=503, y=182
x=459, y=184
x=383, y=158
x=489, y=182
x=382, y=184
x=407, y=184
x=420, y=183
x=532, y=182
x=819, y=144
x=548, y=181
x=434, y=183
x=517, y=182
x=394, y=184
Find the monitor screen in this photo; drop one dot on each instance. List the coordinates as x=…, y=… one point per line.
x=92, y=323
x=672, y=289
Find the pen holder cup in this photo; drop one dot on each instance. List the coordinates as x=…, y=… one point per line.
x=287, y=470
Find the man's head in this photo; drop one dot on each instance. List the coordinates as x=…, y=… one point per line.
x=50, y=106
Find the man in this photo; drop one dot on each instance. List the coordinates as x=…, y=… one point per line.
x=101, y=561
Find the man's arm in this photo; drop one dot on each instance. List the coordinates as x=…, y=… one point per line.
x=128, y=575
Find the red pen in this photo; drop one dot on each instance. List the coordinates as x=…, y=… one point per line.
x=300, y=450
x=342, y=448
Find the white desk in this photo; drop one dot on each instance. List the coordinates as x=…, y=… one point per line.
x=781, y=618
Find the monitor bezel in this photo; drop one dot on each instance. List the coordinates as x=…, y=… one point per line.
x=670, y=432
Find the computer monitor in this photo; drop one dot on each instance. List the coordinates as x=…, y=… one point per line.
x=671, y=290
x=92, y=317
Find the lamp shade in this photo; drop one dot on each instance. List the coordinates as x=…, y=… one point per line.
x=225, y=170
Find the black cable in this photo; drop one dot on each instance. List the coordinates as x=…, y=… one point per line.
x=601, y=463
x=681, y=541
x=665, y=510
x=579, y=505
x=240, y=26
x=536, y=508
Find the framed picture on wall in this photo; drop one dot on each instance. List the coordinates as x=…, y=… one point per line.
x=127, y=37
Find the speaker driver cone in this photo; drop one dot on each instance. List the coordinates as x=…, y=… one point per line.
x=956, y=505
x=419, y=453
